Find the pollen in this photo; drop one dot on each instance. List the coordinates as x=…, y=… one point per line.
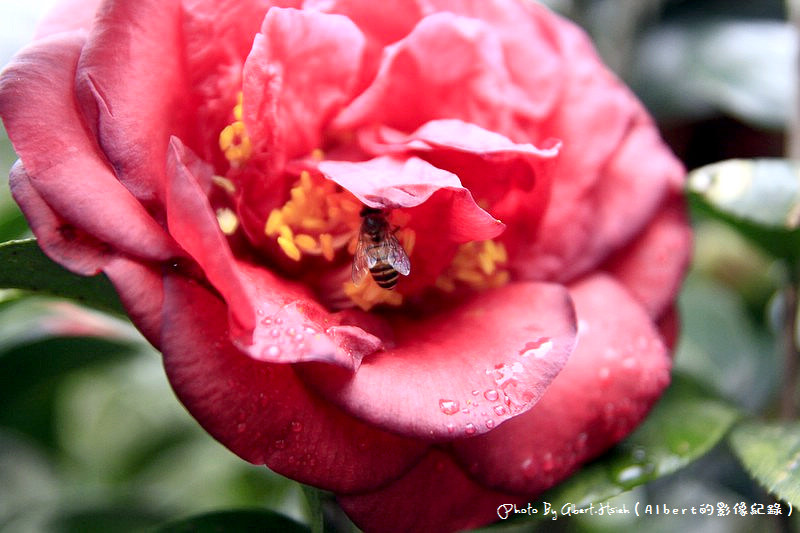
x=233, y=140
x=477, y=265
x=318, y=219
x=227, y=220
x=368, y=294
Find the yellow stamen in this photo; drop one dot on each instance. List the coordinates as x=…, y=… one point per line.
x=368, y=294
x=227, y=220
x=274, y=222
x=224, y=183
x=305, y=242
x=234, y=140
x=326, y=245
x=289, y=248
x=318, y=219
x=477, y=265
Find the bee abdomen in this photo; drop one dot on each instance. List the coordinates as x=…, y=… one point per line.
x=384, y=275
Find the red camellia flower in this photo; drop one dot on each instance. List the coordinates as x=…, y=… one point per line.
x=214, y=159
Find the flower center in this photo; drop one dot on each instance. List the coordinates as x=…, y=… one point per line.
x=320, y=220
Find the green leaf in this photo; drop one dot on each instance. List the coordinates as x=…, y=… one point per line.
x=684, y=425
x=770, y=451
x=24, y=266
x=314, y=500
x=764, y=191
x=244, y=521
x=760, y=197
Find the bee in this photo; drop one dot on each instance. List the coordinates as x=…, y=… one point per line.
x=378, y=251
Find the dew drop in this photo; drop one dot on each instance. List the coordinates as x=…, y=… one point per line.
x=309, y=330
x=296, y=427
x=499, y=410
x=465, y=411
x=469, y=428
x=629, y=363
x=604, y=375
x=547, y=462
x=476, y=392
x=291, y=331
x=273, y=351
x=449, y=407
x=491, y=395
x=260, y=312
x=267, y=321
x=241, y=428
x=451, y=428
x=279, y=321
x=298, y=337
x=275, y=332
x=528, y=467
x=630, y=474
x=280, y=444
x=489, y=424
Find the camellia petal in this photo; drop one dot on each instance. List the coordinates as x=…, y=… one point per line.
x=131, y=107
x=435, y=496
x=389, y=183
x=288, y=107
x=46, y=70
x=468, y=80
x=266, y=312
x=412, y=388
x=59, y=239
x=617, y=372
x=262, y=411
x=653, y=266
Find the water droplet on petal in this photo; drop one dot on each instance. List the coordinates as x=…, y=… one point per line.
x=449, y=407
x=490, y=424
x=298, y=337
x=491, y=395
x=267, y=321
x=469, y=428
x=241, y=428
x=604, y=375
x=451, y=428
x=275, y=332
x=296, y=427
x=499, y=410
x=547, y=462
x=279, y=321
x=476, y=392
x=273, y=351
x=280, y=444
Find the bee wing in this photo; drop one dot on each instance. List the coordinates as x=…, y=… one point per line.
x=397, y=256
x=360, y=265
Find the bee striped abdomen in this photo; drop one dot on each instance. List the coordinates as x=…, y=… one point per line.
x=384, y=275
